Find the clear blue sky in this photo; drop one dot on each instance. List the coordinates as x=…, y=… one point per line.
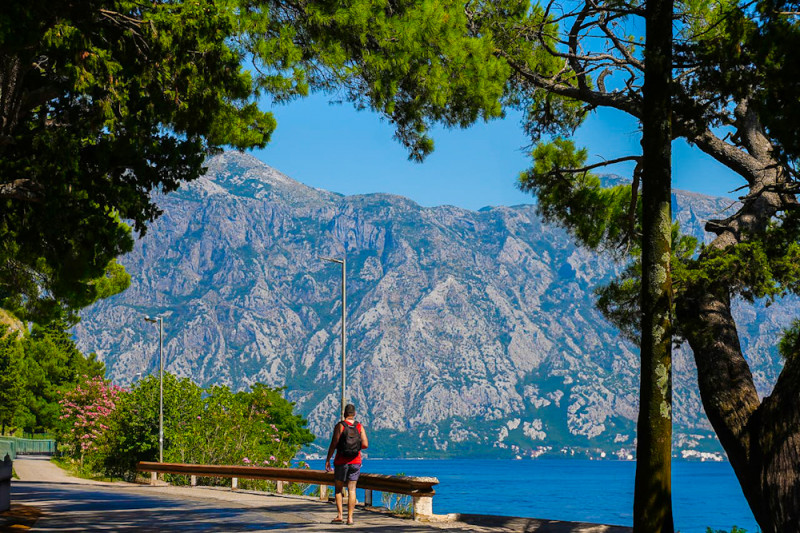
x=337, y=148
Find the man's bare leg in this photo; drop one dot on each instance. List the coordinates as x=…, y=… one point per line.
x=351, y=500
x=339, y=487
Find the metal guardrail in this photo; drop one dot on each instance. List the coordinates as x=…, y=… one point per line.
x=419, y=488
x=14, y=446
x=35, y=446
x=8, y=446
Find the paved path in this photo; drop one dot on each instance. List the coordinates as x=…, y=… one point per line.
x=40, y=468
x=45, y=498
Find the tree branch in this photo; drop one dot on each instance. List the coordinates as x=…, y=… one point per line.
x=614, y=100
x=21, y=189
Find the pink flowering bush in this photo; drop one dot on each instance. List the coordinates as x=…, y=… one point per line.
x=109, y=429
x=86, y=414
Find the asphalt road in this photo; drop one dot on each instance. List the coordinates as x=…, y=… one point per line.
x=46, y=498
x=76, y=507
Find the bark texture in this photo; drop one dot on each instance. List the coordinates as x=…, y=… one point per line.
x=761, y=437
x=652, y=506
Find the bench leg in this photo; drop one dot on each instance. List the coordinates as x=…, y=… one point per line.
x=423, y=507
x=323, y=493
x=153, y=478
x=194, y=481
x=279, y=487
x=234, y=483
x=367, y=497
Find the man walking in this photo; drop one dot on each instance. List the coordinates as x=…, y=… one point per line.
x=348, y=439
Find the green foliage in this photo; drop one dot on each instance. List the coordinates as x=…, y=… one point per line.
x=734, y=530
x=789, y=345
x=134, y=426
x=399, y=504
x=116, y=99
x=741, y=52
x=767, y=267
x=36, y=369
x=51, y=365
x=526, y=36
x=410, y=61
x=594, y=214
x=619, y=300
x=203, y=426
x=11, y=384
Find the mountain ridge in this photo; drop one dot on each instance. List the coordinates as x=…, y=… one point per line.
x=469, y=332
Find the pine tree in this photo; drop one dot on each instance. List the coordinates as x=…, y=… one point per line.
x=11, y=385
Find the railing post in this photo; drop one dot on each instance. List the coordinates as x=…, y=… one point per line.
x=423, y=506
x=323, y=493
x=279, y=487
x=367, y=497
x=193, y=481
x=234, y=483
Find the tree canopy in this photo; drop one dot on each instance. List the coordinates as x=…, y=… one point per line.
x=36, y=369
x=104, y=102
x=731, y=99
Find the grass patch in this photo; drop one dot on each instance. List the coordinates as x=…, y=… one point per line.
x=399, y=504
x=75, y=469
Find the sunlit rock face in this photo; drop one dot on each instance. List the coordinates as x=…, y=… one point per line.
x=468, y=332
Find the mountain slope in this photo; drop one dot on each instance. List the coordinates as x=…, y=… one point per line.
x=468, y=332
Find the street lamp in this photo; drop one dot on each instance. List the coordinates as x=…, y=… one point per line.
x=343, y=262
x=160, y=321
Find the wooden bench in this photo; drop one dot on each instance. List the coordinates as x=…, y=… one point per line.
x=419, y=488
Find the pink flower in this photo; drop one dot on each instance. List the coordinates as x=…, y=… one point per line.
x=246, y=460
x=271, y=457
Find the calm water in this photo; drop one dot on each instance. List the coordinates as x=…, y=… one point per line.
x=704, y=494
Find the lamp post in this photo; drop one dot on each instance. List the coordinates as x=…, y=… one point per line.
x=160, y=321
x=343, y=262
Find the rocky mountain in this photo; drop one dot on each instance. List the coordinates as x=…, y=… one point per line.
x=468, y=332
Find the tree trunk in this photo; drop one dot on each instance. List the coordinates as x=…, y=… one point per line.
x=652, y=505
x=762, y=439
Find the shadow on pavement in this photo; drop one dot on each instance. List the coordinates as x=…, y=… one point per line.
x=74, y=507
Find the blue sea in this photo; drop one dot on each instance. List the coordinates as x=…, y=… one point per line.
x=704, y=494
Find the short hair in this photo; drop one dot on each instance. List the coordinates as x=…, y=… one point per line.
x=349, y=410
